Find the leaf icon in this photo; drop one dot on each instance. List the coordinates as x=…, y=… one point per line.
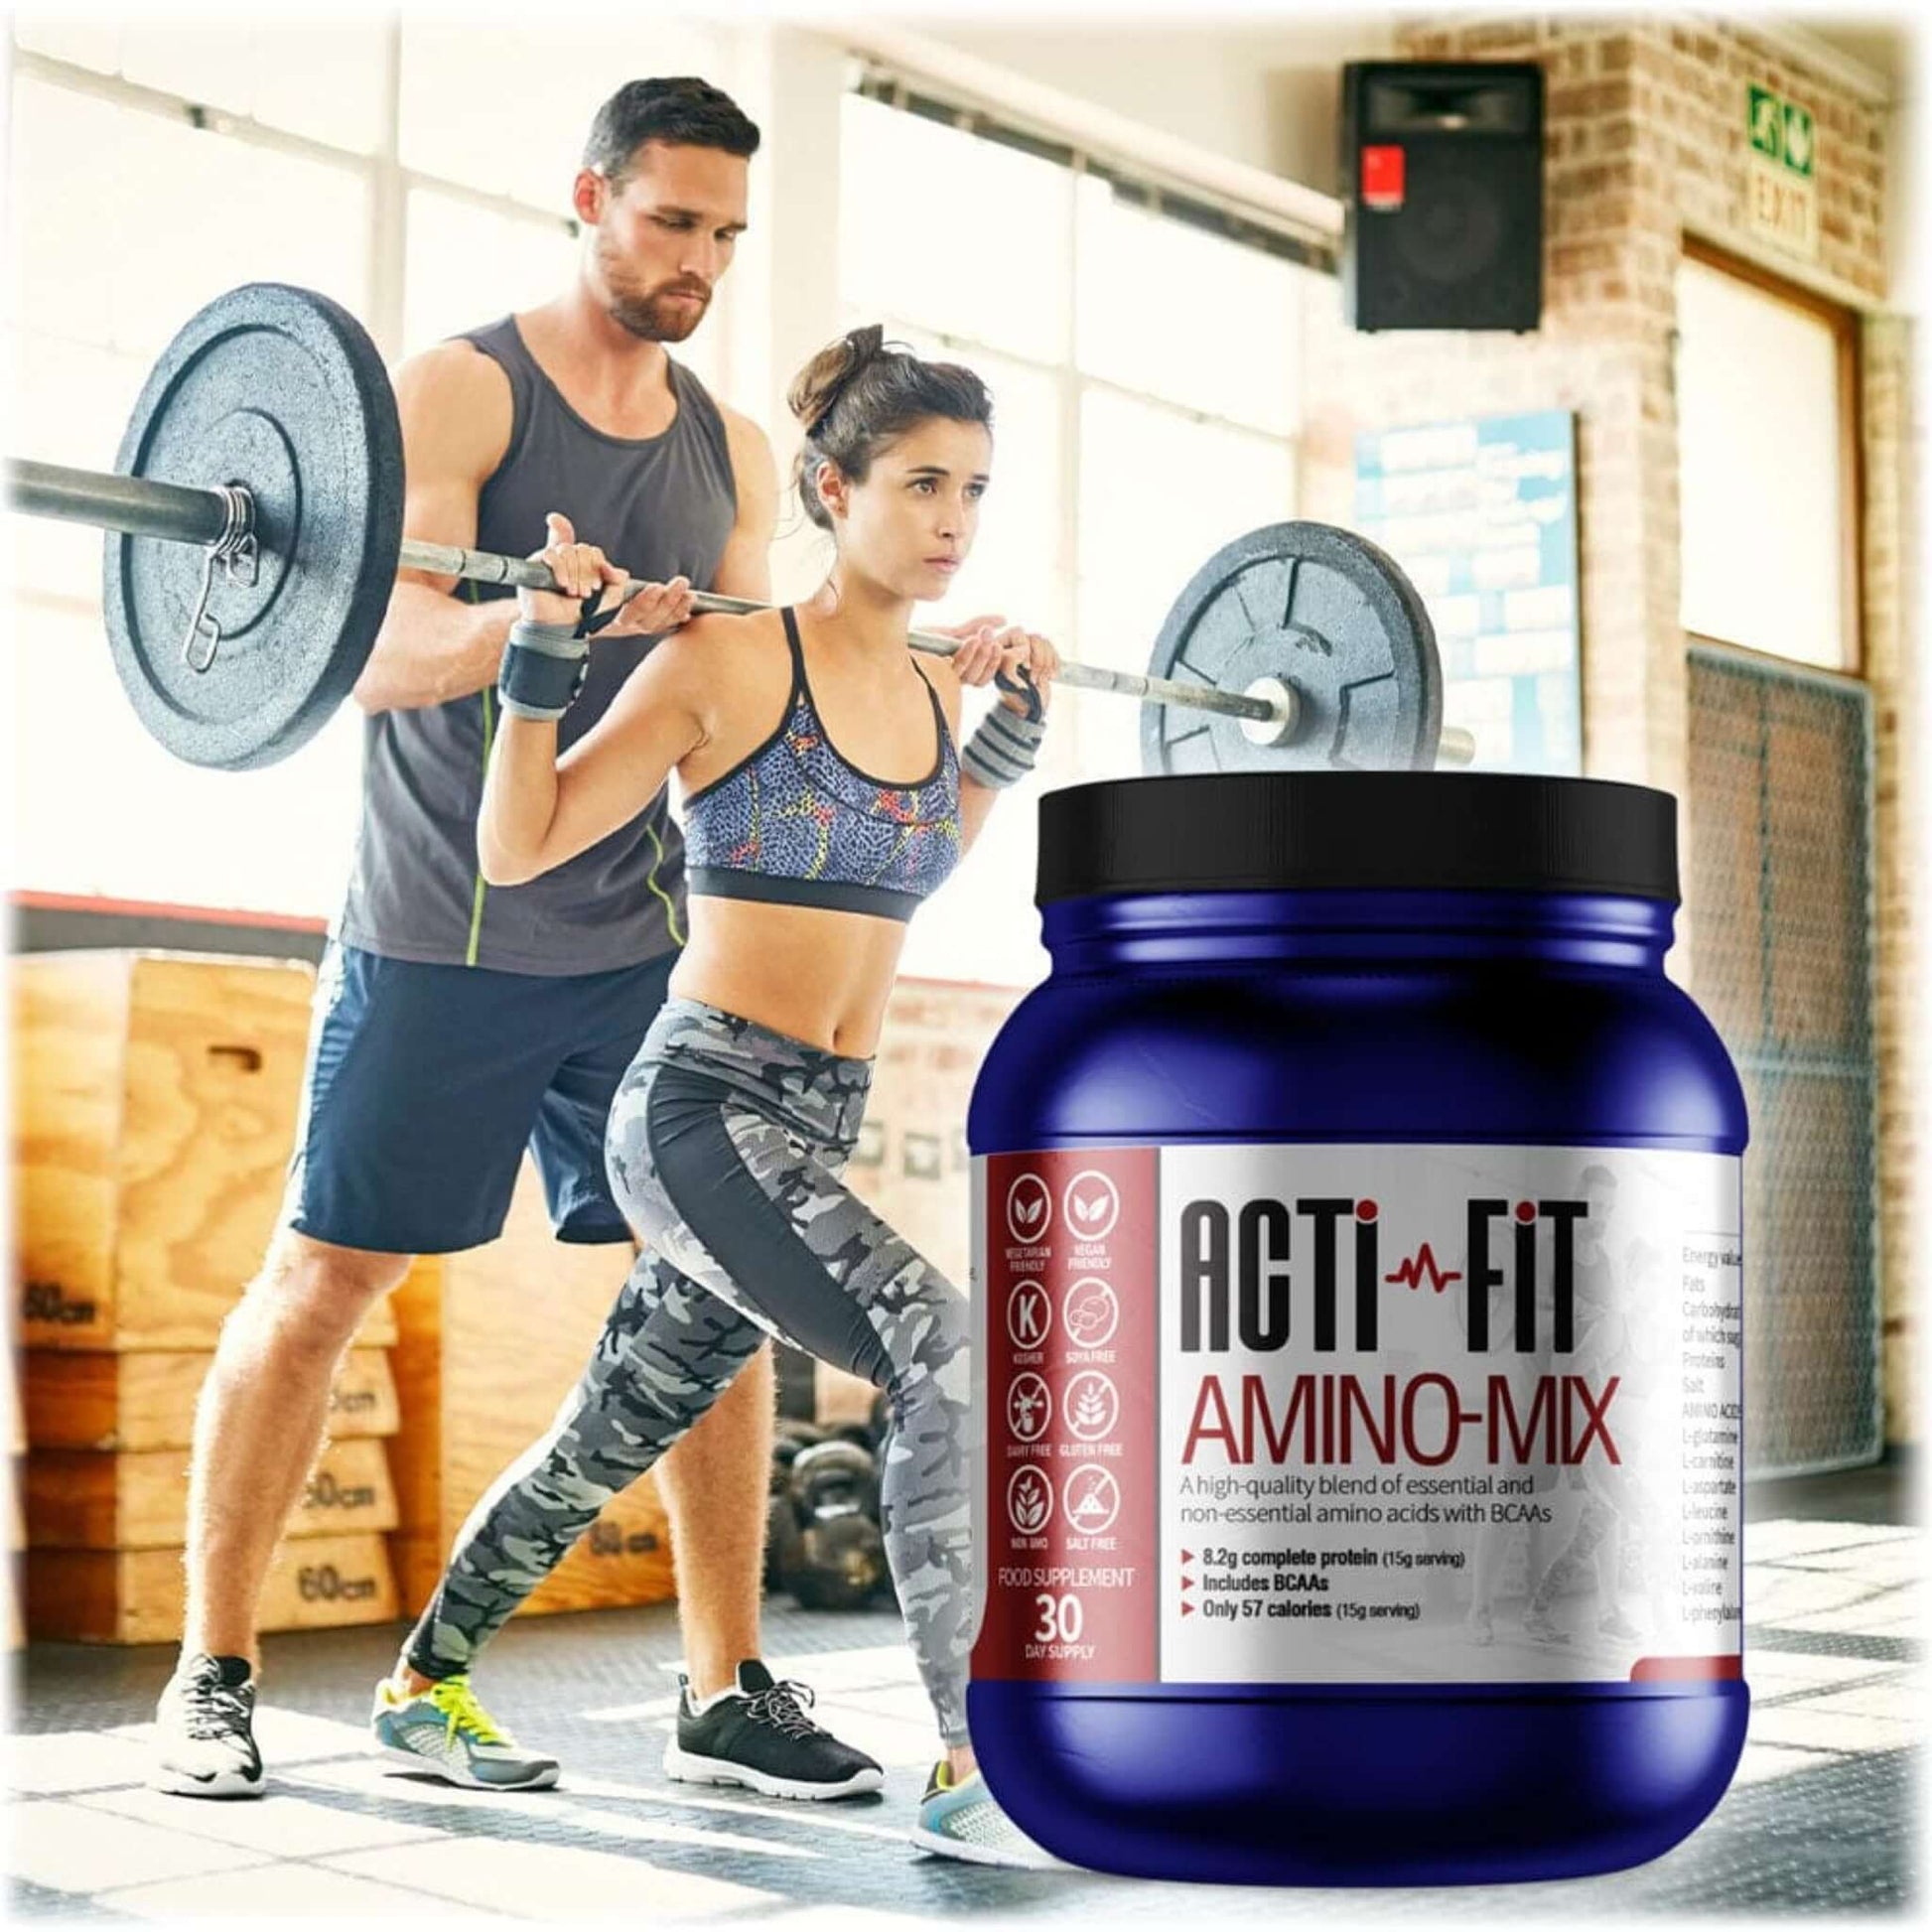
x=1028, y=1212
x=1090, y=1210
x=1030, y=1507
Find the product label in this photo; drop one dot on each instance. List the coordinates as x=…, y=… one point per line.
x=1293, y=1414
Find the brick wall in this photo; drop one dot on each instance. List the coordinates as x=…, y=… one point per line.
x=1646, y=143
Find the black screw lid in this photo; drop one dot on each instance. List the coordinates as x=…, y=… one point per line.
x=1278, y=831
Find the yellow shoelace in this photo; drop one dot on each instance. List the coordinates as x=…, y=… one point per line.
x=458, y=1702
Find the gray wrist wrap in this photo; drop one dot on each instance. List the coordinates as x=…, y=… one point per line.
x=543, y=669
x=1002, y=751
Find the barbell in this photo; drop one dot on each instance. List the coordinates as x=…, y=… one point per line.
x=254, y=532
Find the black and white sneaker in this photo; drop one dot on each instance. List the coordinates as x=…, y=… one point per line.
x=759, y=1736
x=205, y=1741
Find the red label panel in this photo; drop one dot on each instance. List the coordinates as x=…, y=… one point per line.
x=1384, y=175
x=1068, y=1324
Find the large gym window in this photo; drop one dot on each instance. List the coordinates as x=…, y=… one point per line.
x=1146, y=376
x=1767, y=412
x=155, y=166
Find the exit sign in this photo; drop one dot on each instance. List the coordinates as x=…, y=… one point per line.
x=1781, y=188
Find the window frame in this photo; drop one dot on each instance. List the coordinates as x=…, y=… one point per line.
x=1072, y=382
x=387, y=183
x=1844, y=324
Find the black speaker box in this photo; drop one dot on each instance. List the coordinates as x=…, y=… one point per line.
x=1442, y=181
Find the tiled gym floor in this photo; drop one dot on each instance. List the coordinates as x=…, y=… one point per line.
x=1821, y=1818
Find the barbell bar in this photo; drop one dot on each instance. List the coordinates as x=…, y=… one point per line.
x=254, y=530
x=200, y=516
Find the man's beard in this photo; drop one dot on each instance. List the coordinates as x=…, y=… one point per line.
x=649, y=316
x=652, y=318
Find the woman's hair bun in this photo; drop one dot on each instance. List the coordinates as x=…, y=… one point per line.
x=820, y=382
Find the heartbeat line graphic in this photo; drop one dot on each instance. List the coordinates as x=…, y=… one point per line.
x=1411, y=1272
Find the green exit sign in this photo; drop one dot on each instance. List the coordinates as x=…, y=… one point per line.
x=1781, y=131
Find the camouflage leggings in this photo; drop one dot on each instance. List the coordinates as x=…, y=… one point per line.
x=725, y=1148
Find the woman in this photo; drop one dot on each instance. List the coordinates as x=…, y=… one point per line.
x=823, y=798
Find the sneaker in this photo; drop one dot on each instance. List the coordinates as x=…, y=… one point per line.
x=1540, y=1625
x=759, y=1736
x=444, y=1731
x=962, y=1821
x=1620, y=1628
x=1482, y=1629
x=205, y=1732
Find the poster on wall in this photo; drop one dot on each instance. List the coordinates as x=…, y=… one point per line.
x=1482, y=515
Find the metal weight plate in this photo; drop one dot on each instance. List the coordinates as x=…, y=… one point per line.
x=1326, y=614
x=281, y=390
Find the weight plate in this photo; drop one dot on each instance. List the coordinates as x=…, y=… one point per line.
x=281, y=390
x=1323, y=612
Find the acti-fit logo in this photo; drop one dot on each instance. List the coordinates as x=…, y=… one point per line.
x=1238, y=1288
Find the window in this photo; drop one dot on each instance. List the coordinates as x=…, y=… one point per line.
x=1768, y=461
x=467, y=262
x=154, y=166
x=1146, y=408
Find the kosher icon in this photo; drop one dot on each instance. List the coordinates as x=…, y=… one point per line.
x=1030, y=1314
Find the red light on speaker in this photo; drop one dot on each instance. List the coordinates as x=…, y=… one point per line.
x=1382, y=178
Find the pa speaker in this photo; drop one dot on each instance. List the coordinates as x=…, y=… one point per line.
x=1442, y=180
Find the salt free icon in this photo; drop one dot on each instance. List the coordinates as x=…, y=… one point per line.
x=1091, y=1498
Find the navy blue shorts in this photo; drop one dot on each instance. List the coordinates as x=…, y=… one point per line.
x=425, y=1084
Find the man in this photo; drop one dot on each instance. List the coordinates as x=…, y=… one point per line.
x=455, y=1023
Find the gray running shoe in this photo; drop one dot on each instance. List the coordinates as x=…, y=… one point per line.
x=445, y=1731
x=962, y=1821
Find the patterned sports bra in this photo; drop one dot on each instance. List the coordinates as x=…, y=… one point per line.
x=794, y=823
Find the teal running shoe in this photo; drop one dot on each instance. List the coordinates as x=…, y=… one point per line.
x=962, y=1821
x=445, y=1731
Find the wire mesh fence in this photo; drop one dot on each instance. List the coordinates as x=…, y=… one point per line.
x=1779, y=898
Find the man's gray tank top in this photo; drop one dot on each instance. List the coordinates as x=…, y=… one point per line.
x=662, y=507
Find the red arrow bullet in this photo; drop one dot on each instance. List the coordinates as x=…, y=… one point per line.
x=1186, y=1609
x=1187, y=1556
x=1186, y=1583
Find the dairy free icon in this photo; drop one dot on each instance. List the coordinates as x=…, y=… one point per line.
x=1029, y=1208
x=1092, y=1204
x=1029, y=1316
x=1030, y=1407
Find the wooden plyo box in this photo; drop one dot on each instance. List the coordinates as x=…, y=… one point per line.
x=84, y=1499
x=489, y=1341
x=129, y=1597
x=155, y=1104
x=146, y=1399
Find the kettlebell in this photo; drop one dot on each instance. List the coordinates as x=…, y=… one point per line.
x=831, y=1554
